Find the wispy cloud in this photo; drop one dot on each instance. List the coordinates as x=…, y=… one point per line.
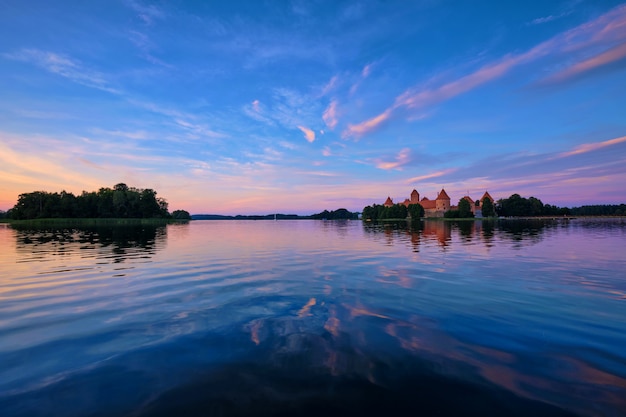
x=136, y=135
x=590, y=147
x=330, y=86
x=288, y=108
x=550, y=18
x=147, y=48
x=607, y=34
x=330, y=115
x=366, y=70
x=368, y=125
x=64, y=66
x=199, y=129
x=401, y=159
x=309, y=135
x=555, y=176
x=257, y=111
x=604, y=58
x=431, y=175
x=148, y=13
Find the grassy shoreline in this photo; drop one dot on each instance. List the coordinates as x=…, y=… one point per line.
x=69, y=222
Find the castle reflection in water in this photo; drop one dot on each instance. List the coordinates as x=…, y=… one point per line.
x=476, y=232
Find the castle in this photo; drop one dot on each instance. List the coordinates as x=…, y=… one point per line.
x=438, y=206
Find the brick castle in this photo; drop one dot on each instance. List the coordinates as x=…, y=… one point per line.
x=438, y=206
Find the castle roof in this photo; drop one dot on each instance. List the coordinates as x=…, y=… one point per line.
x=425, y=198
x=414, y=192
x=428, y=204
x=469, y=199
x=443, y=195
x=388, y=202
x=486, y=195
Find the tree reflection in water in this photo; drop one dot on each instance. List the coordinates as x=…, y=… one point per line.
x=114, y=243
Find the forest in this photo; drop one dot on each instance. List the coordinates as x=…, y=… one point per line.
x=120, y=201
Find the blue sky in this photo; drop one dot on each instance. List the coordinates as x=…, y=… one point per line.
x=299, y=106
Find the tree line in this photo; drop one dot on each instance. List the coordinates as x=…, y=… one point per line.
x=600, y=210
x=514, y=206
x=518, y=206
x=339, y=214
x=120, y=201
x=397, y=211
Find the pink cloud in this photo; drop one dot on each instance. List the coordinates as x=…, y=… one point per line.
x=589, y=147
x=604, y=58
x=403, y=158
x=368, y=125
x=332, y=83
x=431, y=175
x=412, y=99
x=309, y=135
x=330, y=115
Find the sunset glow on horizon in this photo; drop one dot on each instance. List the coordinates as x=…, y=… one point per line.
x=296, y=107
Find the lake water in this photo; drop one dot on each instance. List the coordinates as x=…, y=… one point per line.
x=315, y=318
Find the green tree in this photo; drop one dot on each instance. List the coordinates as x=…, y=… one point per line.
x=488, y=208
x=121, y=201
x=465, y=209
x=451, y=214
x=397, y=211
x=518, y=206
x=369, y=213
x=416, y=211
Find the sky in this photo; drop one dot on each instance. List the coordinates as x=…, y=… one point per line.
x=257, y=107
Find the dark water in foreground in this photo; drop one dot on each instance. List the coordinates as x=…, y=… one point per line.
x=315, y=318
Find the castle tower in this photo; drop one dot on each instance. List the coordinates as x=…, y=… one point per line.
x=442, y=203
x=388, y=202
x=486, y=195
x=415, y=197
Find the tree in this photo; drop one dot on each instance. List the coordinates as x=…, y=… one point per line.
x=339, y=214
x=518, y=206
x=380, y=212
x=181, y=215
x=416, y=211
x=397, y=211
x=535, y=206
x=488, y=209
x=369, y=213
x=451, y=214
x=465, y=209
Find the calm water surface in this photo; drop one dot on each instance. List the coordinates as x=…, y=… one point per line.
x=315, y=318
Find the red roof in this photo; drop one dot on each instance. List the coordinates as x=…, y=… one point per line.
x=443, y=195
x=486, y=195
